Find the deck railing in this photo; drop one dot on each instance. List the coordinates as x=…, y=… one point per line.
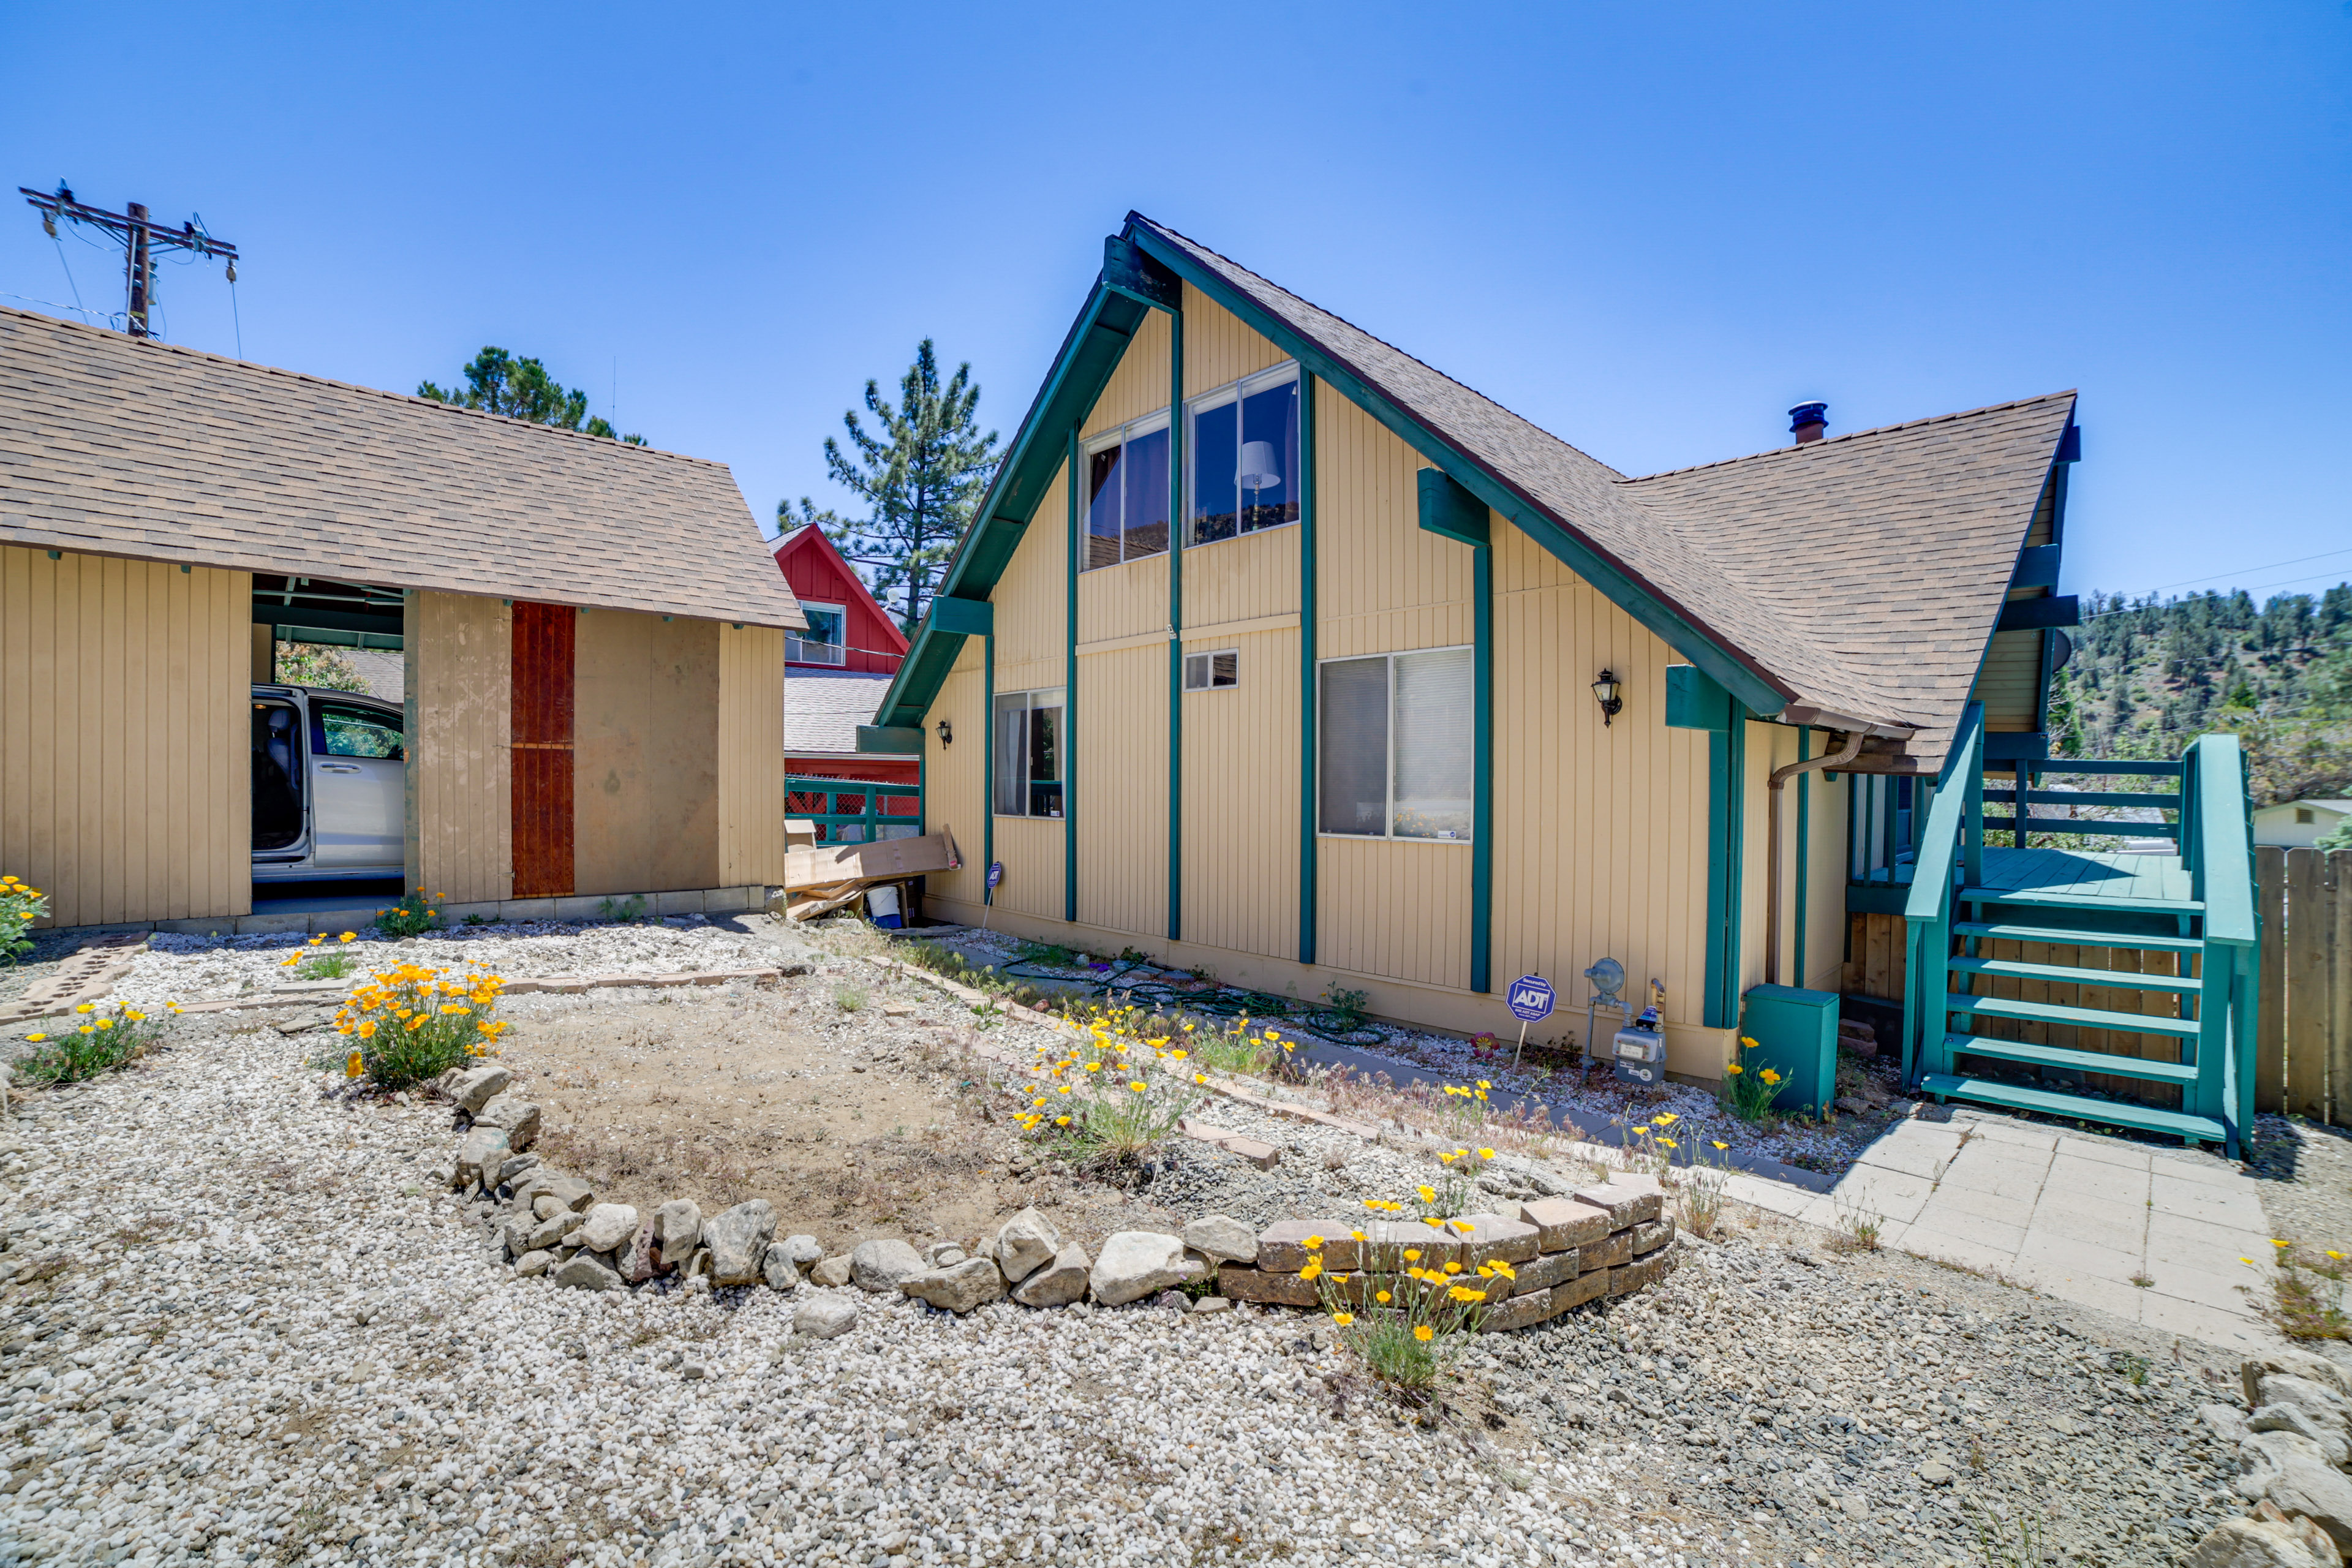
x=850, y=811
x=1951, y=845
x=2020, y=797
x=2217, y=846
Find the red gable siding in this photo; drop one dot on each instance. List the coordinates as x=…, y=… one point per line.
x=816, y=570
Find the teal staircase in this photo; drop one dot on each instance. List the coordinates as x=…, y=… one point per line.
x=2187, y=1034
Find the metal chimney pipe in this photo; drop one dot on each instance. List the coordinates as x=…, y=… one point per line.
x=1807, y=421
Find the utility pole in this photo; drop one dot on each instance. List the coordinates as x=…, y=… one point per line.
x=140, y=240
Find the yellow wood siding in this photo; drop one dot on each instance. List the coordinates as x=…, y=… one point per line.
x=459, y=685
x=1122, y=805
x=1139, y=385
x=1399, y=908
x=1030, y=849
x=125, y=785
x=1382, y=585
x=1114, y=602
x=751, y=755
x=1825, y=875
x=1032, y=612
x=955, y=787
x=1240, y=579
x=645, y=754
x=2010, y=682
x=1219, y=350
x=1600, y=829
x=1241, y=800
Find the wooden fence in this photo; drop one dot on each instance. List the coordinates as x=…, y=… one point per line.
x=2304, y=1064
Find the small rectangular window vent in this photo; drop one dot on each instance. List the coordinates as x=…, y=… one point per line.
x=1211, y=671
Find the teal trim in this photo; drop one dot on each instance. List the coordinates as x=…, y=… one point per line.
x=1482, y=751
x=1091, y=351
x=1128, y=270
x=987, y=763
x=1693, y=702
x=1070, y=702
x=870, y=819
x=903, y=741
x=2037, y=567
x=1727, y=837
x=1176, y=529
x=1686, y=636
x=972, y=617
x=1804, y=847
x=1309, y=890
x=1449, y=510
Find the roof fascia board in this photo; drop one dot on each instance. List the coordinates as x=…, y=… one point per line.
x=1091, y=351
x=1449, y=510
x=1678, y=631
x=1127, y=270
x=821, y=542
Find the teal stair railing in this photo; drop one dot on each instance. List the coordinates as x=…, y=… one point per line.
x=2190, y=996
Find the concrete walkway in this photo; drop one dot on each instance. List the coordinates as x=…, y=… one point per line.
x=2155, y=1236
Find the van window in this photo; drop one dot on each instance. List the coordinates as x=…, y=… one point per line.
x=354, y=731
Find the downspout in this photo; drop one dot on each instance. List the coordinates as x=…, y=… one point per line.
x=1837, y=759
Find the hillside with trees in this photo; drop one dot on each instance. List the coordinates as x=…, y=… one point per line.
x=2148, y=675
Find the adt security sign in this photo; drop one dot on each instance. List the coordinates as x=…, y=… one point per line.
x=995, y=874
x=1531, y=998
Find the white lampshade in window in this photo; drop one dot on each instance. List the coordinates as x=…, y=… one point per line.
x=1257, y=466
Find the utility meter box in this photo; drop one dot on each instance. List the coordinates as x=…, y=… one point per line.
x=1640, y=1056
x=1796, y=1034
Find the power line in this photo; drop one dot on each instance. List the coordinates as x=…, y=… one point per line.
x=2270, y=566
x=142, y=242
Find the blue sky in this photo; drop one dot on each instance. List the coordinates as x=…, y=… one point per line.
x=1650, y=229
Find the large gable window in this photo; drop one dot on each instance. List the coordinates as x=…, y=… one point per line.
x=1028, y=753
x=1396, y=752
x=1244, y=457
x=1127, y=492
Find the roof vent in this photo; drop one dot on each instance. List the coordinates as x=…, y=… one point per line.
x=1807, y=421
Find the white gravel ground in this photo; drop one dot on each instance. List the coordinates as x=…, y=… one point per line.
x=245, y=1327
x=186, y=969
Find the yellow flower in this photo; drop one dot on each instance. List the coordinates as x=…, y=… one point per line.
x=1314, y=1268
x=451, y=1008
x=1413, y=1255
x=106, y=1023
x=1666, y=1119
x=349, y=936
x=367, y=1029
x=87, y=1007
x=1137, y=1087
x=1428, y=1194
x=1424, y=1333
x=1314, y=1244
x=2332, y=1253
x=1343, y=1318
x=1668, y=1143
x=2275, y=1242
x=1464, y=1293
x=1200, y=1078
x=1731, y=1066
x=1484, y=1084
x=1452, y=1268
x=1359, y=1235
x=1462, y=1225
x=1382, y=1297
x=37, y=1037
x=1061, y=1121
x=84, y=1029
x=1485, y=1153
x=289, y=963
x=1720, y=1143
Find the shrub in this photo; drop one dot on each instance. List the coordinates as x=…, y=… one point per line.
x=1347, y=1007
x=20, y=906
x=109, y=1036
x=1405, y=1320
x=849, y=998
x=1111, y=1098
x=408, y=918
x=2307, y=1293
x=625, y=912
x=1750, y=1087
x=408, y=1023
x=308, y=964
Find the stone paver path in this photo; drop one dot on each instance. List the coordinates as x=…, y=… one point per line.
x=2170, y=1239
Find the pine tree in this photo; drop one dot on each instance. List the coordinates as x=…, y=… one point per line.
x=920, y=474
x=498, y=383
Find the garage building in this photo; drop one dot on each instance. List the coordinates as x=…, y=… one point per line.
x=593, y=634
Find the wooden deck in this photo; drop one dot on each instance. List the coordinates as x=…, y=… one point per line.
x=2073, y=873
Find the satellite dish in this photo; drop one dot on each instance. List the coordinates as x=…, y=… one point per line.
x=1608, y=978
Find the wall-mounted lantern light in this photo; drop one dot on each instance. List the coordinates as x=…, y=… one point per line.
x=1605, y=690
x=947, y=736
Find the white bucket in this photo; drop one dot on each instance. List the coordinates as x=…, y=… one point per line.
x=882, y=907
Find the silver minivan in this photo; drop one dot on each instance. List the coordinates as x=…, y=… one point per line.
x=328, y=791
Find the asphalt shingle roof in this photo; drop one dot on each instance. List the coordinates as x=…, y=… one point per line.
x=116, y=446
x=821, y=711
x=1861, y=576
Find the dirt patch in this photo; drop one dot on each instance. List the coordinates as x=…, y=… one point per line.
x=853, y=1121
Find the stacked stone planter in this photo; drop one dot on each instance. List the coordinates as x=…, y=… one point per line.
x=1563, y=1252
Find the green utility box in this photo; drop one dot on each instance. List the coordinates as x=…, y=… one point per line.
x=1795, y=1031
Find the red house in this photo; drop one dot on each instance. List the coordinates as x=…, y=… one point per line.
x=834, y=675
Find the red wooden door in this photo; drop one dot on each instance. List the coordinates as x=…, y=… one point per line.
x=540, y=733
